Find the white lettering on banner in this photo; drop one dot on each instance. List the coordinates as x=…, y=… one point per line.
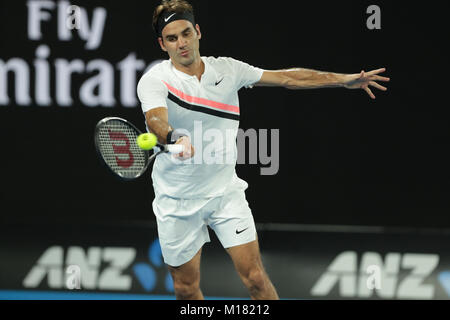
x=51, y=265
x=128, y=68
x=91, y=33
x=42, y=81
x=36, y=14
x=22, y=81
x=344, y=271
x=64, y=32
x=119, y=259
x=64, y=70
x=421, y=266
x=93, y=36
x=97, y=76
x=104, y=81
x=98, y=90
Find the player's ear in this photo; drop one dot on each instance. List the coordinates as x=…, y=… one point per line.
x=161, y=44
x=197, y=28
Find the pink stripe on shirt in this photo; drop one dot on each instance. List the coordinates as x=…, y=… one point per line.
x=205, y=102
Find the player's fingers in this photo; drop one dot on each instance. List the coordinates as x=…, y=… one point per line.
x=376, y=85
x=362, y=74
x=188, y=152
x=178, y=155
x=369, y=92
x=380, y=78
x=374, y=72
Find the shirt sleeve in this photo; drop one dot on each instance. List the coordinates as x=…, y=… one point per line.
x=152, y=93
x=246, y=75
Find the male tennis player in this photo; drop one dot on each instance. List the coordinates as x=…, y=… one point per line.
x=179, y=94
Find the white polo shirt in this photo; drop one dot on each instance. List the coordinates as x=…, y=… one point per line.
x=208, y=111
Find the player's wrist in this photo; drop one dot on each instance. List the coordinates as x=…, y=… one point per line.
x=344, y=80
x=173, y=136
x=183, y=139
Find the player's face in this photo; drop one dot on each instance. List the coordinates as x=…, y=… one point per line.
x=181, y=42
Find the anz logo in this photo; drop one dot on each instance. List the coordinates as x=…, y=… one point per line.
x=107, y=268
x=396, y=276
x=145, y=272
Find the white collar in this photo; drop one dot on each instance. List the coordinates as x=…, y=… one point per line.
x=209, y=74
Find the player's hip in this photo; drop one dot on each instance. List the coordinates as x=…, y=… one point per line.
x=233, y=194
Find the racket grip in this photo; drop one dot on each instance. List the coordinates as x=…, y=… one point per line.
x=175, y=148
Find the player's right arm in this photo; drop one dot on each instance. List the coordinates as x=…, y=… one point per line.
x=153, y=93
x=157, y=120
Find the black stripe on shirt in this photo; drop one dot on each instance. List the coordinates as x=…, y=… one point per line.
x=194, y=107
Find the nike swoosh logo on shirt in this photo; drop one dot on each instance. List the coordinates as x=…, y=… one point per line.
x=218, y=82
x=168, y=18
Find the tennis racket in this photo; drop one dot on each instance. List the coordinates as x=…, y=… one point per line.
x=115, y=142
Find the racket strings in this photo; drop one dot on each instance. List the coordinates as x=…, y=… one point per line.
x=117, y=145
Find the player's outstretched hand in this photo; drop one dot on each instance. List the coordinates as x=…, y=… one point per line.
x=365, y=79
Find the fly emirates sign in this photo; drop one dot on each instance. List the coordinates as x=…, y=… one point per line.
x=47, y=80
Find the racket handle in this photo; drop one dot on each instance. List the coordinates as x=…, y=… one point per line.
x=174, y=148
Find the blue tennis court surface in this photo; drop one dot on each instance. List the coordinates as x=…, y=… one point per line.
x=56, y=295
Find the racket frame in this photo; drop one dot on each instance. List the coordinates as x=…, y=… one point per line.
x=149, y=158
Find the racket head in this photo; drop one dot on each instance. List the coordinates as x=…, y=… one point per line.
x=115, y=142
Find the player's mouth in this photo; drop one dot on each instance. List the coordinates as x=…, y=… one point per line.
x=185, y=53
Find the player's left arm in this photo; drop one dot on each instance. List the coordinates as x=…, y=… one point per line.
x=301, y=78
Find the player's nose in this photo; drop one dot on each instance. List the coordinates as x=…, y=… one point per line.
x=182, y=42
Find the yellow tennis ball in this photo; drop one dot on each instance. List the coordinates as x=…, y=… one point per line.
x=147, y=141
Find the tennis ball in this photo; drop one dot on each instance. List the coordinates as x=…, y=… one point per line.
x=147, y=141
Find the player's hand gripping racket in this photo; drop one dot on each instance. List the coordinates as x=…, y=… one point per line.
x=116, y=144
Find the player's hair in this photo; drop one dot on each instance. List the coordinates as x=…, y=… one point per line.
x=178, y=6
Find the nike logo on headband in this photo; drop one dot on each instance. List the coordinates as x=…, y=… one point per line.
x=168, y=18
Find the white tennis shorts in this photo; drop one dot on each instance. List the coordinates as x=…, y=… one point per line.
x=182, y=223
